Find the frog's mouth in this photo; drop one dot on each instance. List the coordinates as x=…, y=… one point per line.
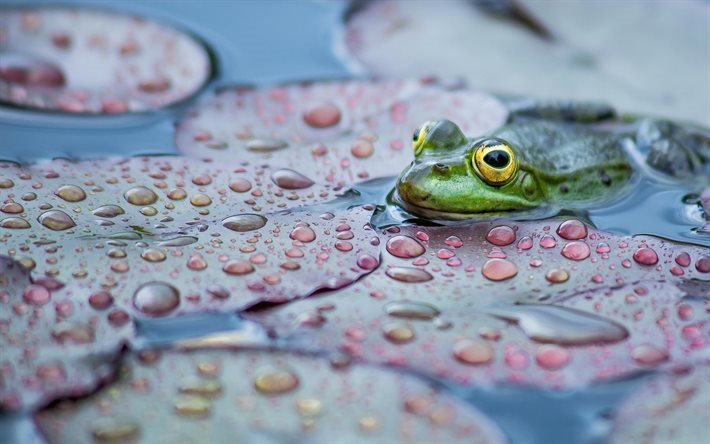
x=431, y=214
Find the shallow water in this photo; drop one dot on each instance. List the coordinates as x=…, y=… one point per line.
x=295, y=41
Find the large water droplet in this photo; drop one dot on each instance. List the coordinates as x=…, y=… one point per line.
x=322, y=115
x=499, y=269
x=303, y=234
x=561, y=325
x=14, y=223
x=572, y=230
x=405, y=247
x=71, y=193
x=36, y=295
x=56, y=220
x=290, y=179
x=140, y=196
x=576, y=251
x=646, y=256
x=236, y=267
x=552, y=357
x=501, y=235
x=275, y=382
x=108, y=211
x=473, y=352
x=411, y=310
x=156, y=298
x=398, y=333
x=408, y=274
x=244, y=222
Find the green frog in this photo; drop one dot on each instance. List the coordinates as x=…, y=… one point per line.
x=539, y=159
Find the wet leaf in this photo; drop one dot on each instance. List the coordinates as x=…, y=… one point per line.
x=669, y=408
x=371, y=136
x=195, y=397
x=56, y=339
x=82, y=60
x=593, y=319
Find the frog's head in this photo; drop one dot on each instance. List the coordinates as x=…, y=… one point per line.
x=455, y=176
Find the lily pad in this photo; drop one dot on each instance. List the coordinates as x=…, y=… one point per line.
x=340, y=132
x=86, y=60
x=57, y=339
x=673, y=407
x=262, y=397
x=449, y=303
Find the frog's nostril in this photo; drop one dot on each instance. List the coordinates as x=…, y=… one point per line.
x=441, y=168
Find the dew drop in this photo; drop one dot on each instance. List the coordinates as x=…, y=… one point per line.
x=501, y=235
x=548, y=241
x=101, y=300
x=683, y=259
x=114, y=431
x=140, y=196
x=240, y=185
x=703, y=264
x=303, y=234
x=290, y=179
x=56, y=220
x=499, y=269
x=244, y=222
x=404, y=247
x=192, y=406
x=275, y=382
x=552, y=357
x=15, y=223
x=473, y=352
x=236, y=267
x=153, y=255
x=108, y=211
x=411, y=310
x=572, y=230
x=525, y=243
x=398, y=333
x=322, y=115
x=645, y=256
x=180, y=241
x=266, y=145
x=30, y=72
x=646, y=354
x=561, y=325
x=200, y=200
x=408, y=274
x=36, y=295
x=576, y=250
x=71, y=193
x=156, y=298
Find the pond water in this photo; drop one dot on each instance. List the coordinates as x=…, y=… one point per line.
x=258, y=43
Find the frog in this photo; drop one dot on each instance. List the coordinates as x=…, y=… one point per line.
x=545, y=156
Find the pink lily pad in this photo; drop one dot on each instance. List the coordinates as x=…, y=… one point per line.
x=65, y=59
x=673, y=407
x=340, y=132
x=169, y=235
x=432, y=309
x=195, y=397
x=57, y=340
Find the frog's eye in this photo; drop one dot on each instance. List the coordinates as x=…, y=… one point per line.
x=420, y=136
x=494, y=161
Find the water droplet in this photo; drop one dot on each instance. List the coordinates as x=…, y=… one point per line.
x=266, y=145
x=236, y=267
x=407, y=274
x=177, y=194
x=69, y=333
x=362, y=149
x=572, y=230
x=140, y=196
x=645, y=256
x=6, y=183
x=240, y=185
x=552, y=357
x=646, y=354
x=322, y=115
x=557, y=276
x=499, y=269
x=603, y=247
x=12, y=208
x=561, y=325
x=367, y=262
x=114, y=430
x=525, y=243
x=244, y=222
x=411, y=310
x=200, y=200
x=101, y=300
x=683, y=259
x=153, y=255
x=36, y=295
x=156, y=298
x=200, y=387
x=15, y=223
x=703, y=264
x=368, y=424
x=576, y=251
x=290, y=179
x=275, y=382
x=192, y=406
x=501, y=235
x=405, y=247
x=303, y=234
x=56, y=220
x=398, y=333
x=180, y=241
x=29, y=71
x=108, y=211
x=71, y=193
x=548, y=241
x=309, y=406
x=473, y=352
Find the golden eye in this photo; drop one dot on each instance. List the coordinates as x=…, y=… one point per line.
x=419, y=136
x=495, y=161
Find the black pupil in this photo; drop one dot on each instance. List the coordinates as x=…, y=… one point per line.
x=497, y=158
x=416, y=135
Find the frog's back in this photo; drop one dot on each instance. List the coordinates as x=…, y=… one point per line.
x=562, y=150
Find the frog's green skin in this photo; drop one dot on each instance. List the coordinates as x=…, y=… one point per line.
x=557, y=164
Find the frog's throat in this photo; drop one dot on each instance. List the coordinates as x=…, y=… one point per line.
x=430, y=214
